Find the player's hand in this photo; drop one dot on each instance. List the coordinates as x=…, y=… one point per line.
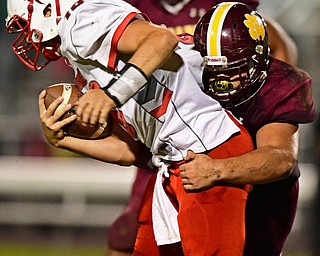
x=198, y=173
x=94, y=107
x=51, y=125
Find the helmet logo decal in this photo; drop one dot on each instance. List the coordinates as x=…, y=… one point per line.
x=255, y=26
x=215, y=60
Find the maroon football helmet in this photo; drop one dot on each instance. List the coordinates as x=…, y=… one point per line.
x=232, y=39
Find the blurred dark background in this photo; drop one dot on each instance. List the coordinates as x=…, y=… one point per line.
x=56, y=203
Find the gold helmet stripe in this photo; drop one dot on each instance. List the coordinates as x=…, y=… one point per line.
x=215, y=28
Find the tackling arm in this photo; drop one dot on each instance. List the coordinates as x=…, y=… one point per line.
x=274, y=158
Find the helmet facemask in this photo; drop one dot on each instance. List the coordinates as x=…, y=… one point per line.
x=16, y=24
x=28, y=51
x=234, y=83
x=233, y=42
x=35, y=23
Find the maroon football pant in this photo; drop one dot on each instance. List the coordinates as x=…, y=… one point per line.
x=270, y=213
x=122, y=233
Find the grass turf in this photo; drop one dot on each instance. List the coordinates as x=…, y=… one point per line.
x=44, y=250
x=8, y=249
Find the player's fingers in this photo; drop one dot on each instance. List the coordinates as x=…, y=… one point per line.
x=66, y=121
x=49, y=118
x=96, y=113
x=85, y=114
x=85, y=106
x=55, y=123
x=80, y=106
x=94, y=117
x=53, y=106
x=185, y=181
x=42, y=107
x=104, y=116
x=190, y=156
x=188, y=187
x=183, y=174
x=62, y=109
x=54, y=119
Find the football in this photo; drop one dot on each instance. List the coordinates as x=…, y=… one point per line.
x=71, y=94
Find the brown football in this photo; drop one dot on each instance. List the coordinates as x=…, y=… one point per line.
x=71, y=94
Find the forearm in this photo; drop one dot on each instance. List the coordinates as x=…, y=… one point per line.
x=109, y=149
x=119, y=149
x=274, y=159
x=263, y=165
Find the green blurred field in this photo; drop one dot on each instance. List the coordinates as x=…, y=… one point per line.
x=36, y=250
x=32, y=250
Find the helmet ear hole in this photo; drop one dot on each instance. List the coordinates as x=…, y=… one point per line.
x=235, y=24
x=47, y=11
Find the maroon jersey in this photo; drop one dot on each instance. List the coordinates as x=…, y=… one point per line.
x=183, y=17
x=286, y=97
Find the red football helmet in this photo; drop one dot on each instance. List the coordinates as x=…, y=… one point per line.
x=232, y=39
x=35, y=22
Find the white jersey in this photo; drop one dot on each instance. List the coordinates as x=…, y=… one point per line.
x=170, y=114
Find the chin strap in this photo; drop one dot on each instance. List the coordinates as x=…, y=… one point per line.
x=125, y=84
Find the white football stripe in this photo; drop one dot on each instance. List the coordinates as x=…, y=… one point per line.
x=99, y=131
x=66, y=94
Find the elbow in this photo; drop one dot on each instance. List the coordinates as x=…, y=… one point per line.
x=287, y=166
x=169, y=39
x=290, y=166
x=126, y=159
x=173, y=40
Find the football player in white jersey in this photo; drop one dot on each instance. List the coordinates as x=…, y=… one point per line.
x=164, y=109
x=164, y=218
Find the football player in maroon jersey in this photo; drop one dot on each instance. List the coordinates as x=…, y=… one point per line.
x=180, y=16
x=271, y=98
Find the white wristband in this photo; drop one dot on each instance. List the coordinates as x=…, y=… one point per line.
x=126, y=84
